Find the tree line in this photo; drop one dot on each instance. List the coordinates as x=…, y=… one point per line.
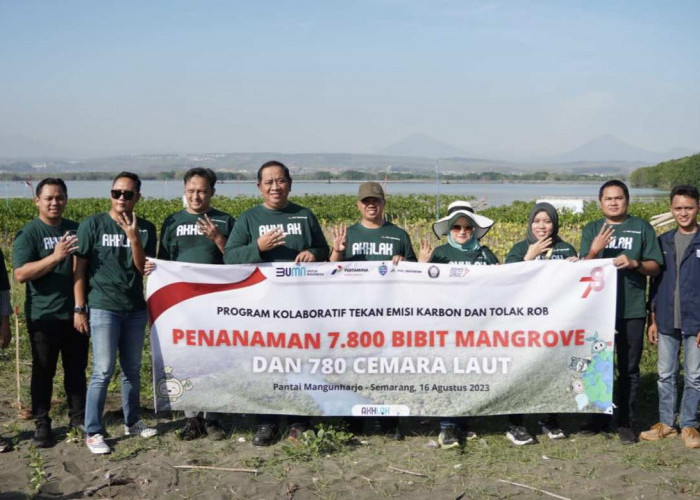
x=322, y=175
x=670, y=173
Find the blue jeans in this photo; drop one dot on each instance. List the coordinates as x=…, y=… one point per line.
x=668, y=365
x=112, y=332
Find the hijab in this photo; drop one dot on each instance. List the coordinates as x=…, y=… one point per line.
x=553, y=216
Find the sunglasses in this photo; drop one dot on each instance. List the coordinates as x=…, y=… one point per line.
x=118, y=193
x=459, y=227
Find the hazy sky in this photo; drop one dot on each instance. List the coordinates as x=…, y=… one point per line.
x=498, y=78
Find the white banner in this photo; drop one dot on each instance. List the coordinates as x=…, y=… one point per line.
x=368, y=338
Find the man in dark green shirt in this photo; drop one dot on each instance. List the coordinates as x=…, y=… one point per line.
x=197, y=234
x=632, y=243
x=277, y=230
x=111, y=257
x=373, y=239
x=42, y=258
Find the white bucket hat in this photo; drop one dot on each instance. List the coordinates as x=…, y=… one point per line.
x=459, y=209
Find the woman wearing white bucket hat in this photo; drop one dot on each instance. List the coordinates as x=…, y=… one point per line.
x=463, y=228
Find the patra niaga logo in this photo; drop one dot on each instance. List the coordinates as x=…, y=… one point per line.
x=458, y=272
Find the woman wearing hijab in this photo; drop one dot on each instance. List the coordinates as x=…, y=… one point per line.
x=542, y=243
x=464, y=229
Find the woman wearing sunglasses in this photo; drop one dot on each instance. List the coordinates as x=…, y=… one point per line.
x=542, y=242
x=464, y=229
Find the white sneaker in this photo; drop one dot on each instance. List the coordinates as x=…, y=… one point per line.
x=96, y=444
x=140, y=429
x=518, y=435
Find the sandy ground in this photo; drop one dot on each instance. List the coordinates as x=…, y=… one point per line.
x=374, y=467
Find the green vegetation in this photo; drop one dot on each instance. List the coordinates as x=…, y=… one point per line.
x=312, y=444
x=667, y=174
x=36, y=465
x=415, y=213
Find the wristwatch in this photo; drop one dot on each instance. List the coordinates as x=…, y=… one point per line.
x=80, y=309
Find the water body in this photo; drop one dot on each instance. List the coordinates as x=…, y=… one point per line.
x=494, y=194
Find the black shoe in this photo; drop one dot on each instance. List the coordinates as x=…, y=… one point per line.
x=193, y=429
x=449, y=437
x=391, y=428
x=296, y=430
x=4, y=445
x=551, y=429
x=265, y=435
x=214, y=431
x=77, y=425
x=396, y=434
x=43, y=438
x=592, y=428
x=355, y=425
x=518, y=435
x=627, y=435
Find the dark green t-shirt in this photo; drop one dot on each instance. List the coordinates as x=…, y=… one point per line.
x=301, y=228
x=50, y=296
x=380, y=243
x=114, y=284
x=635, y=238
x=447, y=254
x=182, y=241
x=560, y=251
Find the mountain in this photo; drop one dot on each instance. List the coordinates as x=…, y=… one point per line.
x=421, y=145
x=608, y=148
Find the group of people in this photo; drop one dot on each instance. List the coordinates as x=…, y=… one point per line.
x=85, y=281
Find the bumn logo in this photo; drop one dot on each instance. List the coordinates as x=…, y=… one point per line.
x=281, y=272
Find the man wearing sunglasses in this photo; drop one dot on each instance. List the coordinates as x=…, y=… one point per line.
x=111, y=257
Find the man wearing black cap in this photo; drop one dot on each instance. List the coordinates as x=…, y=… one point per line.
x=373, y=238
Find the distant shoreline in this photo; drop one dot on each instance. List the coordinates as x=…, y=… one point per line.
x=416, y=181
